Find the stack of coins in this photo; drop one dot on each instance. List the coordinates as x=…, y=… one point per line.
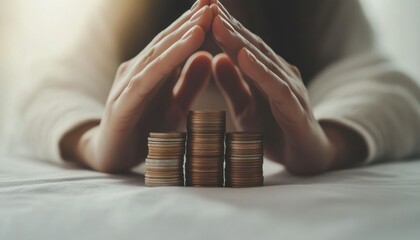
x=165, y=161
x=205, y=148
x=244, y=159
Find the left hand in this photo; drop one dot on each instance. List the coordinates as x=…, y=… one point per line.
x=266, y=93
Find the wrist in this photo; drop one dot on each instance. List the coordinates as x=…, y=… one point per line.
x=349, y=147
x=76, y=145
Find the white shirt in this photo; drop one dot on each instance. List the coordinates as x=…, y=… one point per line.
x=357, y=87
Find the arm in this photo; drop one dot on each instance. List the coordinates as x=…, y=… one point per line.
x=357, y=88
x=76, y=112
x=69, y=79
x=278, y=103
x=371, y=97
x=149, y=94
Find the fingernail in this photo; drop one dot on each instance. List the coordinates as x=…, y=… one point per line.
x=250, y=55
x=188, y=34
x=197, y=14
x=227, y=25
x=195, y=5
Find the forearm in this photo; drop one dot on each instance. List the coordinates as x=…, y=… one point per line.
x=75, y=144
x=375, y=100
x=348, y=145
x=68, y=86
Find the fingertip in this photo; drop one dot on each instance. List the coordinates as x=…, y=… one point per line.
x=203, y=56
x=201, y=61
x=225, y=71
x=203, y=17
x=206, y=18
x=235, y=90
x=194, y=79
x=215, y=9
x=243, y=53
x=219, y=61
x=216, y=59
x=198, y=4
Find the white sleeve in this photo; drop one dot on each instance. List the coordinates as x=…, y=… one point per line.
x=367, y=92
x=66, y=83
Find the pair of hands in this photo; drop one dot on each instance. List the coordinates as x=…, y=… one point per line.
x=263, y=92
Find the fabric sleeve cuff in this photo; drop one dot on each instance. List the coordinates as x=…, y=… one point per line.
x=66, y=125
x=343, y=115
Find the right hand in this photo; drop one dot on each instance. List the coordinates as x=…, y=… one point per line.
x=148, y=94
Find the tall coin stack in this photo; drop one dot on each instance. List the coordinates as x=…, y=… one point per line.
x=205, y=148
x=244, y=159
x=164, y=163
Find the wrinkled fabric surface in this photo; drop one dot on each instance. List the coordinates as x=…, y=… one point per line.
x=39, y=200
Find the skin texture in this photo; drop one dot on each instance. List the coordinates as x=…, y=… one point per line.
x=263, y=92
x=266, y=93
x=150, y=81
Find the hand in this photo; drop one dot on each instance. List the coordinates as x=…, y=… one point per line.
x=265, y=93
x=148, y=94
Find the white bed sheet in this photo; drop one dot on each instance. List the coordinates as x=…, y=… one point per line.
x=43, y=201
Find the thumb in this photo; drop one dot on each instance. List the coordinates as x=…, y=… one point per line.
x=194, y=78
x=236, y=91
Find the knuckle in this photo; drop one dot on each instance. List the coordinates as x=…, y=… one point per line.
x=261, y=44
x=177, y=34
x=122, y=68
x=266, y=69
x=160, y=36
x=293, y=67
x=239, y=25
x=247, y=44
x=271, y=55
x=132, y=83
x=295, y=70
x=134, y=87
x=273, y=66
x=150, y=55
x=284, y=87
x=166, y=66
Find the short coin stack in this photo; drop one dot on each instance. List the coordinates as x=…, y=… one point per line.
x=164, y=163
x=205, y=148
x=244, y=159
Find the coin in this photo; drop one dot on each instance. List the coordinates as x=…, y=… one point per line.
x=165, y=159
x=244, y=159
x=205, y=148
x=170, y=135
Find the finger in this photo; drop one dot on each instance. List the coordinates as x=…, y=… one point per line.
x=285, y=105
x=202, y=18
x=180, y=21
x=215, y=9
x=233, y=87
x=194, y=78
x=232, y=42
x=165, y=94
x=141, y=86
x=254, y=39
